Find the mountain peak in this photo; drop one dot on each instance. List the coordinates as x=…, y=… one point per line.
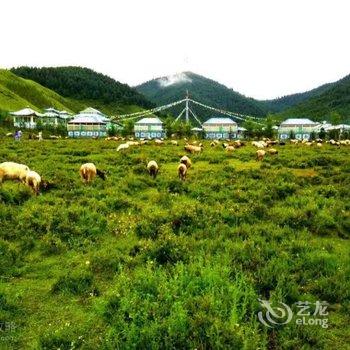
x=173, y=87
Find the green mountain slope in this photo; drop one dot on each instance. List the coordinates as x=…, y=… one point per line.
x=17, y=93
x=336, y=99
x=282, y=103
x=84, y=84
x=168, y=89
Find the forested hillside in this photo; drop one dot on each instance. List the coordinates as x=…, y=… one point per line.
x=84, y=84
x=172, y=88
x=335, y=100
x=282, y=103
x=17, y=93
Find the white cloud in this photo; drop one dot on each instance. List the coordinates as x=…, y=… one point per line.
x=174, y=79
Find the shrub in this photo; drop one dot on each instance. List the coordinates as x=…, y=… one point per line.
x=177, y=187
x=15, y=196
x=167, y=250
x=78, y=283
x=8, y=257
x=52, y=245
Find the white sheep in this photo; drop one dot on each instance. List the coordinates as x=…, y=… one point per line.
x=88, y=172
x=122, y=147
x=182, y=171
x=229, y=148
x=153, y=168
x=13, y=171
x=260, y=154
x=33, y=180
x=187, y=161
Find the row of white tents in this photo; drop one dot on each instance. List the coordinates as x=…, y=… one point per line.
x=90, y=122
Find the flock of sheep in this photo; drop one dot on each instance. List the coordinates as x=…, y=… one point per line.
x=21, y=172
x=88, y=171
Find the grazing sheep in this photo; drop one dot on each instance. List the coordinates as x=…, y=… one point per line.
x=88, y=171
x=112, y=138
x=271, y=143
x=237, y=143
x=174, y=143
x=54, y=137
x=260, y=154
x=294, y=141
x=133, y=143
x=143, y=142
x=334, y=143
x=319, y=144
x=259, y=144
x=193, y=149
x=212, y=144
x=13, y=171
x=123, y=146
x=182, y=171
x=153, y=168
x=229, y=148
x=33, y=180
x=158, y=142
x=272, y=151
x=187, y=161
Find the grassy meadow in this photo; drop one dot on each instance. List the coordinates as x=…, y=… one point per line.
x=137, y=263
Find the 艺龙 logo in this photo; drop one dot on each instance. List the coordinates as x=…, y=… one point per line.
x=277, y=315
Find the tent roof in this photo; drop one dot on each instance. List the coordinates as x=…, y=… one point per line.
x=88, y=119
x=26, y=112
x=90, y=110
x=297, y=121
x=215, y=120
x=149, y=121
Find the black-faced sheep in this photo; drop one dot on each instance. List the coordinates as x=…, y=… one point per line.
x=182, y=171
x=187, y=161
x=33, y=180
x=88, y=172
x=153, y=168
x=260, y=154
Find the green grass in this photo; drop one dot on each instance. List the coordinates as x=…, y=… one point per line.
x=133, y=262
x=17, y=93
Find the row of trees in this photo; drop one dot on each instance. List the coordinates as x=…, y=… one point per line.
x=83, y=84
